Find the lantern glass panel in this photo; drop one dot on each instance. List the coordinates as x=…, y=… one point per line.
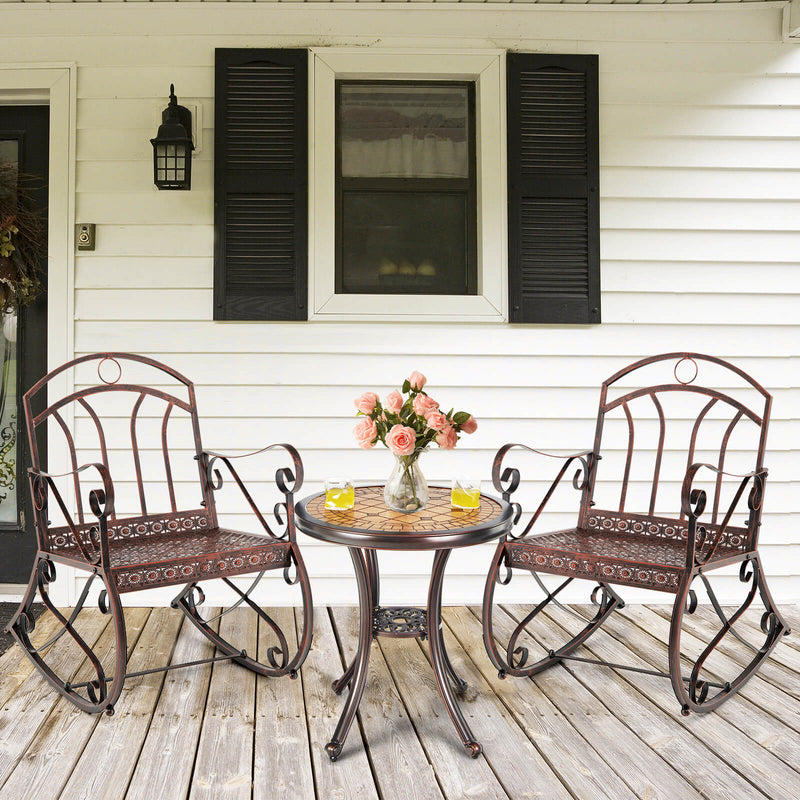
x=171, y=167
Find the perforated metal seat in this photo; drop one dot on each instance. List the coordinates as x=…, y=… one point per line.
x=635, y=551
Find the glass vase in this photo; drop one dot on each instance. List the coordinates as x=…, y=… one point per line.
x=406, y=489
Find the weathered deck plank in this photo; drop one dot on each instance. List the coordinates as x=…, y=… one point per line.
x=164, y=767
x=769, y=731
x=282, y=758
x=653, y=714
x=30, y=706
x=575, y=731
x=60, y=741
x=506, y=744
x=15, y=666
x=402, y=771
x=599, y=756
x=458, y=775
x=784, y=653
x=349, y=778
x=731, y=745
x=703, y=628
x=759, y=691
x=223, y=767
x=122, y=735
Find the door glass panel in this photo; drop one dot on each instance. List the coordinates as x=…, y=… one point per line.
x=9, y=506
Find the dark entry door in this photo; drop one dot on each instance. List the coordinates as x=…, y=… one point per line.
x=24, y=146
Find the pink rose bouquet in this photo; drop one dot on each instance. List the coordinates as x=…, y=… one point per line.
x=407, y=425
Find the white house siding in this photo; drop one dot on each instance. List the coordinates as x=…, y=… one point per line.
x=700, y=185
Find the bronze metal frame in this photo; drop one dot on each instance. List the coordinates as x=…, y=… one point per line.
x=179, y=546
x=371, y=527
x=641, y=549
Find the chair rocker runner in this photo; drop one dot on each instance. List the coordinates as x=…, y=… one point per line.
x=673, y=539
x=144, y=549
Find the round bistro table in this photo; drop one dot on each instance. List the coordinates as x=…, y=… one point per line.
x=370, y=526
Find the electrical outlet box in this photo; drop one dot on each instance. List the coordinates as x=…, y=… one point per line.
x=84, y=236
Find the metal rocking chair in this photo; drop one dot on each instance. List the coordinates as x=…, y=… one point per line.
x=155, y=426
x=712, y=445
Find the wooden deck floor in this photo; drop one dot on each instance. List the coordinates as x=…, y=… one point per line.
x=576, y=731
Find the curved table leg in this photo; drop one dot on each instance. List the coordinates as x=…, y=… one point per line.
x=373, y=576
x=442, y=668
x=347, y=676
x=459, y=684
x=356, y=674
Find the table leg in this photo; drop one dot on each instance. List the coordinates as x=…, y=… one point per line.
x=373, y=577
x=442, y=668
x=357, y=677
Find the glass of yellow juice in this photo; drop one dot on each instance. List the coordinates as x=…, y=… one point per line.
x=339, y=494
x=465, y=494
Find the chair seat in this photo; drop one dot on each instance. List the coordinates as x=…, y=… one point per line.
x=145, y=562
x=610, y=556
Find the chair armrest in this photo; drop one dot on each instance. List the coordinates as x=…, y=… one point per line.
x=506, y=480
x=101, y=501
x=693, y=504
x=288, y=480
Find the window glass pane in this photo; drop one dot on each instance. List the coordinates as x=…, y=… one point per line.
x=404, y=242
x=9, y=513
x=404, y=130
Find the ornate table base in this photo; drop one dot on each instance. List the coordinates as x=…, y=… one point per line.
x=376, y=620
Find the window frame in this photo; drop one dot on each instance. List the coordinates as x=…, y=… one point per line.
x=486, y=68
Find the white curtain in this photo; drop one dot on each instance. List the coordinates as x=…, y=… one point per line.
x=404, y=156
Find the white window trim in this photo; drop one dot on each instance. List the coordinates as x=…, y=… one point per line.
x=487, y=69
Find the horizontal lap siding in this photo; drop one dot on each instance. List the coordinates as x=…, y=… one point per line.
x=700, y=197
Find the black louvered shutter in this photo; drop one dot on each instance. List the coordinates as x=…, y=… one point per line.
x=261, y=184
x=553, y=188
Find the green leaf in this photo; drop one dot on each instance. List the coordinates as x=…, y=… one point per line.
x=406, y=386
x=461, y=417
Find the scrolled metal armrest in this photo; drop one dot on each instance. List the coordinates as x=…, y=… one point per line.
x=693, y=504
x=282, y=475
x=101, y=501
x=507, y=480
x=287, y=479
x=693, y=501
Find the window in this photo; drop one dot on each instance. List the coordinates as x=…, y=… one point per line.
x=281, y=204
x=483, y=72
x=405, y=157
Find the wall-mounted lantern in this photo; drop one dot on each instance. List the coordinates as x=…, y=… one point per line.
x=172, y=147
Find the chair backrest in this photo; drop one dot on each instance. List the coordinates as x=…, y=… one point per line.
x=657, y=417
x=138, y=417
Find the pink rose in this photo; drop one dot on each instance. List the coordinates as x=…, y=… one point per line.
x=393, y=402
x=470, y=426
x=366, y=433
x=417, y=380
x=437, y=421
x=424, y=406
x=447, y=438
x=366, y=402
x=401, y=440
